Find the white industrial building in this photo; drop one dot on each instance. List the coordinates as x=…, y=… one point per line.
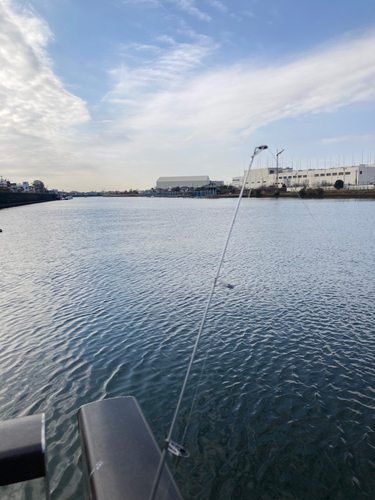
x=183, y=181
x=351, y=176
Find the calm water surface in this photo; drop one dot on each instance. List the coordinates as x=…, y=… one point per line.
x=102, y=298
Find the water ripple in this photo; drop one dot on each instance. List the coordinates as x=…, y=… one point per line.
x=102, y=298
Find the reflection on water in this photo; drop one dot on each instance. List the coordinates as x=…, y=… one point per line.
x=102, y=297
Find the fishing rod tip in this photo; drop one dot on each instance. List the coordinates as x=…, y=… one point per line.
x=259, y=149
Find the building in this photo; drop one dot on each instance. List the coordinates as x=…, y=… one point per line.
x=193, y=181
x=39, y=187
x=23, y=187
x=4, y=184
x=263, y=177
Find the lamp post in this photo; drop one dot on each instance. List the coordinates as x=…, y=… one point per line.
x=277, y=166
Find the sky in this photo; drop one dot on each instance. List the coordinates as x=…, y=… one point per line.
x=114, y=94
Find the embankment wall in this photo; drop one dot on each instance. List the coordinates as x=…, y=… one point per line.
x=17, y=199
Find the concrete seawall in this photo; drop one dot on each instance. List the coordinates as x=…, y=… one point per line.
x=8, y=200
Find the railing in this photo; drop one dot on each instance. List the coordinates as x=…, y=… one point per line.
x=332, y=188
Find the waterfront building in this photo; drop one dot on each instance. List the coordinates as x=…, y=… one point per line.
x=351, y=176
x=4, y=184
x=39, y=187
x=23, y=187
x=193, y=181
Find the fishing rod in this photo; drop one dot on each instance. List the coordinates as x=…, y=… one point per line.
x=170, y=446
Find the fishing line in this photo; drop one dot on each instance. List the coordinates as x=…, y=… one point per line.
x=196, y=390
x=169, y=445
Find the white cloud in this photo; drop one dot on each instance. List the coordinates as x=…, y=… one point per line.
x=348, y=138
x=176, y=107
x=235, y=17
x=218, y=5
x=156, y=3
x=36, y=111
x=190, y=7
x=168, y=69
x=166, y=39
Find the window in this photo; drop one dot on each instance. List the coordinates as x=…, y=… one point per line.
x=305, y=176
x=272, y=171
x=341, y=173
x=294, y=176
x=316, y=175
x=360, y=171
x=347, y=173
x=334, y=173
x=289, y=176
x=299, y=176
x=328, y=174
x=322, y=175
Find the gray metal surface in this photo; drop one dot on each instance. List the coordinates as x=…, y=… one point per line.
x=121, y=453
x=22, y=449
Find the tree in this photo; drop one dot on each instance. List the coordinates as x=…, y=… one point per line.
x=339, y=184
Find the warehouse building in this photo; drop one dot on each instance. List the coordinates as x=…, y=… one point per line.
x=351, y=176
x=183, y=181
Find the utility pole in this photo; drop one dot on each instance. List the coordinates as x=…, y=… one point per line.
x=277, y=166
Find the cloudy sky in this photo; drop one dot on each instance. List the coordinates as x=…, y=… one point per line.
x=113, y=94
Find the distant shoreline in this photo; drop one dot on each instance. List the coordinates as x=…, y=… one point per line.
x=339, y=194
x=129, y=195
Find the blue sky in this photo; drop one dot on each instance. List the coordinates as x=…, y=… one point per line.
x=112, y=95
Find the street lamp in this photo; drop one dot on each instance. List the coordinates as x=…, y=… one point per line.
x=277, y=166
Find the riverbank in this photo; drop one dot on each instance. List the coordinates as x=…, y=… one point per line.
x=309, y=194
x=8, y=200
x=318, y=194
x=127, y=195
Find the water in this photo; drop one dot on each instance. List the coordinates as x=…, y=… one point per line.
x=102, y=297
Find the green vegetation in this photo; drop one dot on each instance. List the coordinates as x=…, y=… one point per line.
x=225, y=190
x=311, y=192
